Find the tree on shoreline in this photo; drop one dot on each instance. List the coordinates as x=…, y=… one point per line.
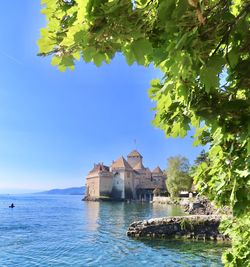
x=202, y=48
x=178, y=178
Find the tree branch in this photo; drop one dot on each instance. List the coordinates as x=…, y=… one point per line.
x=226, y=34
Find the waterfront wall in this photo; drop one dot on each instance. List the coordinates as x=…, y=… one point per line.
x=161, y=200
x=199, y=227
x=167, y=200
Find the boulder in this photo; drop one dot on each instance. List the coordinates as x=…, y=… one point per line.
x=205, y=227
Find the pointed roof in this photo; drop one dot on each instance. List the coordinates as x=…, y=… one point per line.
x=157, y=170
x=121, y=163
x=134, y=153
x=99, y=167
x=139, y=166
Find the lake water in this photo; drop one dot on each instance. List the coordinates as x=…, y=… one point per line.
x=64, y=231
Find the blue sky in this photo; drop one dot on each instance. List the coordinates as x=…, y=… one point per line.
x=54, y=126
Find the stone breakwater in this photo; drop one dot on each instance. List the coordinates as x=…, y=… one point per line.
x=197, y=227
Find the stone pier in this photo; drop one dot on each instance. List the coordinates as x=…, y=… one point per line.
x=199, y=227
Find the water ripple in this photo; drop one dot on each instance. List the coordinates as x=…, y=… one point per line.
x=62, y=231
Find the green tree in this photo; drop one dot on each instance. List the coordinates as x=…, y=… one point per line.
x=202, y=157
x=157, y=192
x=178, y=178
x=202, y=48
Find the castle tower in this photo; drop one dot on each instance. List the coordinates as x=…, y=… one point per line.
x=99, y=182
x=122, y=179
x=159, y=177
x=135, y=158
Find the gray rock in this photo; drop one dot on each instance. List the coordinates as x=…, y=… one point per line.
x=197, y=227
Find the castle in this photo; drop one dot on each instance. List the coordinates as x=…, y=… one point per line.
x=124, y=180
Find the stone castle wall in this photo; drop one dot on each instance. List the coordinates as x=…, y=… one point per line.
x=106, y=183
x=93, y=186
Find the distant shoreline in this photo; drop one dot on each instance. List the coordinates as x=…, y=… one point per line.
x=65, y=191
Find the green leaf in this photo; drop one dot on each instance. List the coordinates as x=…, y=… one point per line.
x=77, y=55
x=141, y=49
x=209, y=74
x=66, y=62
x=248, y=147
x=233, y=57
x=176, y=129
x=166, y=9
x=88, y=53
x=98, y=59
x=217, y=135
x=196, y=142
x=56, y=61
x=214, y=151
x=129, y=55
x=46, y=43
x=182, y=6
x=167, y=101
x=244, y=173
x=209, y=77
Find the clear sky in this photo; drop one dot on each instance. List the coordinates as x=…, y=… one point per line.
x=54, y=126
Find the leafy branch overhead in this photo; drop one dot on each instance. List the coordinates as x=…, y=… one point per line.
x=202, y=48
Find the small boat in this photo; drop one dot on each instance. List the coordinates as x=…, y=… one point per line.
x=12, y=206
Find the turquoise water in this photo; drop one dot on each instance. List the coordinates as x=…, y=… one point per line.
x=64, y=231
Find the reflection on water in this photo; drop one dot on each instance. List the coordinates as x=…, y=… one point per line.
x=64, y=231
x=165, y=210
x=91, y=215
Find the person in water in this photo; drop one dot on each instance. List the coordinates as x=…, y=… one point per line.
x=12, y=206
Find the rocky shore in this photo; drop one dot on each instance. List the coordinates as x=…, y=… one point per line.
x=197, y=227
x=200, y=206
x=97, y=199
x=194, y=205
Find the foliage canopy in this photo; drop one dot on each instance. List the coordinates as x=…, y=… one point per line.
x=178, y=178
x=202, y=48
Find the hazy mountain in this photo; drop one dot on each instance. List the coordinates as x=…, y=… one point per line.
x=65, y=191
